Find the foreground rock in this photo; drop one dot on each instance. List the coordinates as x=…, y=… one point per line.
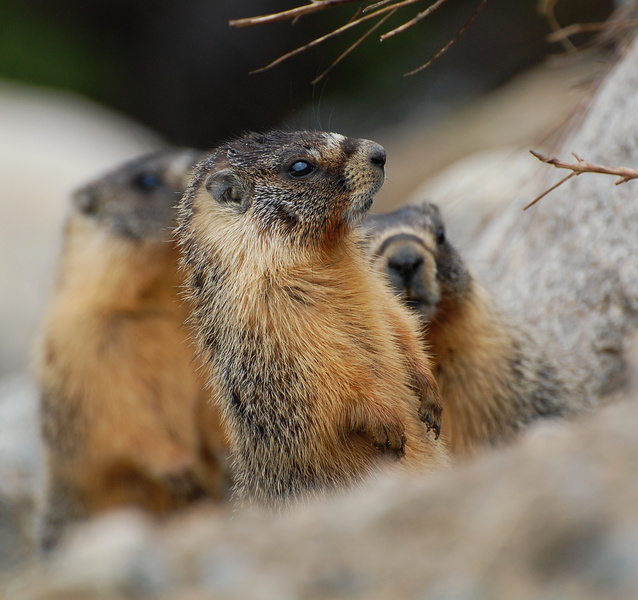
x=554, y=517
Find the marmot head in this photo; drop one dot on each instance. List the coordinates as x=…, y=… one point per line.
x=137, y=200
x=306, y=189
x=409, y=247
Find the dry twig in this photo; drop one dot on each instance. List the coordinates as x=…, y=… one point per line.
x=546, y=7
x=428, y=11
x=447, y=46
x=582, y=166
x=338, y=31
x=576, y=28
x=287, y=15
x=353, y=46
x=375, y=8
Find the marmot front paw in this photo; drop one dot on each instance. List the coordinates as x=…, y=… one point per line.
x=389, y=438
x=430, y=414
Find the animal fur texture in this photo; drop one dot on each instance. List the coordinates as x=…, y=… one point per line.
x=317, y=366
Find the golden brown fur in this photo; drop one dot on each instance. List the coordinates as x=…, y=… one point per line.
x=495, y=378
x=124, y=416
x=319, y=370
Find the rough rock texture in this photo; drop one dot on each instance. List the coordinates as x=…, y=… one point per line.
x=554, y=517
x=474, y=190
x=569, y=263
x=20, y=466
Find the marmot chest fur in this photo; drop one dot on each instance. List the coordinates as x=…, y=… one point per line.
x=123, y=411
x=495, y=378
x=319, y=368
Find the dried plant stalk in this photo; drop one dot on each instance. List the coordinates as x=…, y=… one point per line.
x=582, y=166
x=374, y=9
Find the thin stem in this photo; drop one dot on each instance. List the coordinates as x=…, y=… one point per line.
x=351, y=48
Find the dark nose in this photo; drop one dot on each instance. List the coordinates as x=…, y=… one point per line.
x=403, y=265
x=377, y=156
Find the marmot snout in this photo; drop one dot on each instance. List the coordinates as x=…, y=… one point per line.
x=495, y=377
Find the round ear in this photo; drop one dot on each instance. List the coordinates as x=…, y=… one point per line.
x=86, y=200
x=228, y=187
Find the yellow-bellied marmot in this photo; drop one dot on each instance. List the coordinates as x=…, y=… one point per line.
x=494, y=377
x=124, y=416
x=319, y=368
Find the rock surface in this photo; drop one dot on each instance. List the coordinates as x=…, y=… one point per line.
x=569, y=263
x=555, y=516
x=51, y=142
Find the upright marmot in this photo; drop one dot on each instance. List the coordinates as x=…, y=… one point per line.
x=494, y=377
x=124, y=416
x=319, y=368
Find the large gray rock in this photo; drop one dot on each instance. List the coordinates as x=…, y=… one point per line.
x=569, y=263
x=555, y=516
x=20, y=471
x=51, y=143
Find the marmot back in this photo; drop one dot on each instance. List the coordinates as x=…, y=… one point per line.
x=319, y=369
x=495, y=377
x=124, y=416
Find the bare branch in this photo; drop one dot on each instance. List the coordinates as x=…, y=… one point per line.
x=287, y=15
x=323, y=38
x=376, y=5
x=551, y=189
x=353, y=46
x=374, y=8
x=582, y=166
x=428, y=11
x=546, y=7
x=450, y=43
x=576, y=28
x=565, y=32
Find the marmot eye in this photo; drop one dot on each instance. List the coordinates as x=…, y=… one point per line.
x=301, y=168
x=440, y=235
x=147, y=182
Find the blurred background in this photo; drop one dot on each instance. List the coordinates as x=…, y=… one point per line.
x=85, y=84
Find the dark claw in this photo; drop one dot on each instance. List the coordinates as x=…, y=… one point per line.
x=184, y=485
x=391, y=441
x=431, y=418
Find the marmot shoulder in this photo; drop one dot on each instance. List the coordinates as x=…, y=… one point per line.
x=123, y=411
x=494, y=375
x=319, y=368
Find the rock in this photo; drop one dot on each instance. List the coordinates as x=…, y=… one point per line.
x=555, y=516
x=51, y=143
x=20, y=470
x=474, y=190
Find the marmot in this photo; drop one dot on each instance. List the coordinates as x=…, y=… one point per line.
x=123, y=412
x=319, y=369
x=494, y=377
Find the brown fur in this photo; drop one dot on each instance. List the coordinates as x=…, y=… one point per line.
x=319, y=369
x=124, y=416
x=495, y=378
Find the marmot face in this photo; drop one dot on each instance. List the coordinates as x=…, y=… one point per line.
x=308, y=188
x=409, y=247
x=137, y=200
